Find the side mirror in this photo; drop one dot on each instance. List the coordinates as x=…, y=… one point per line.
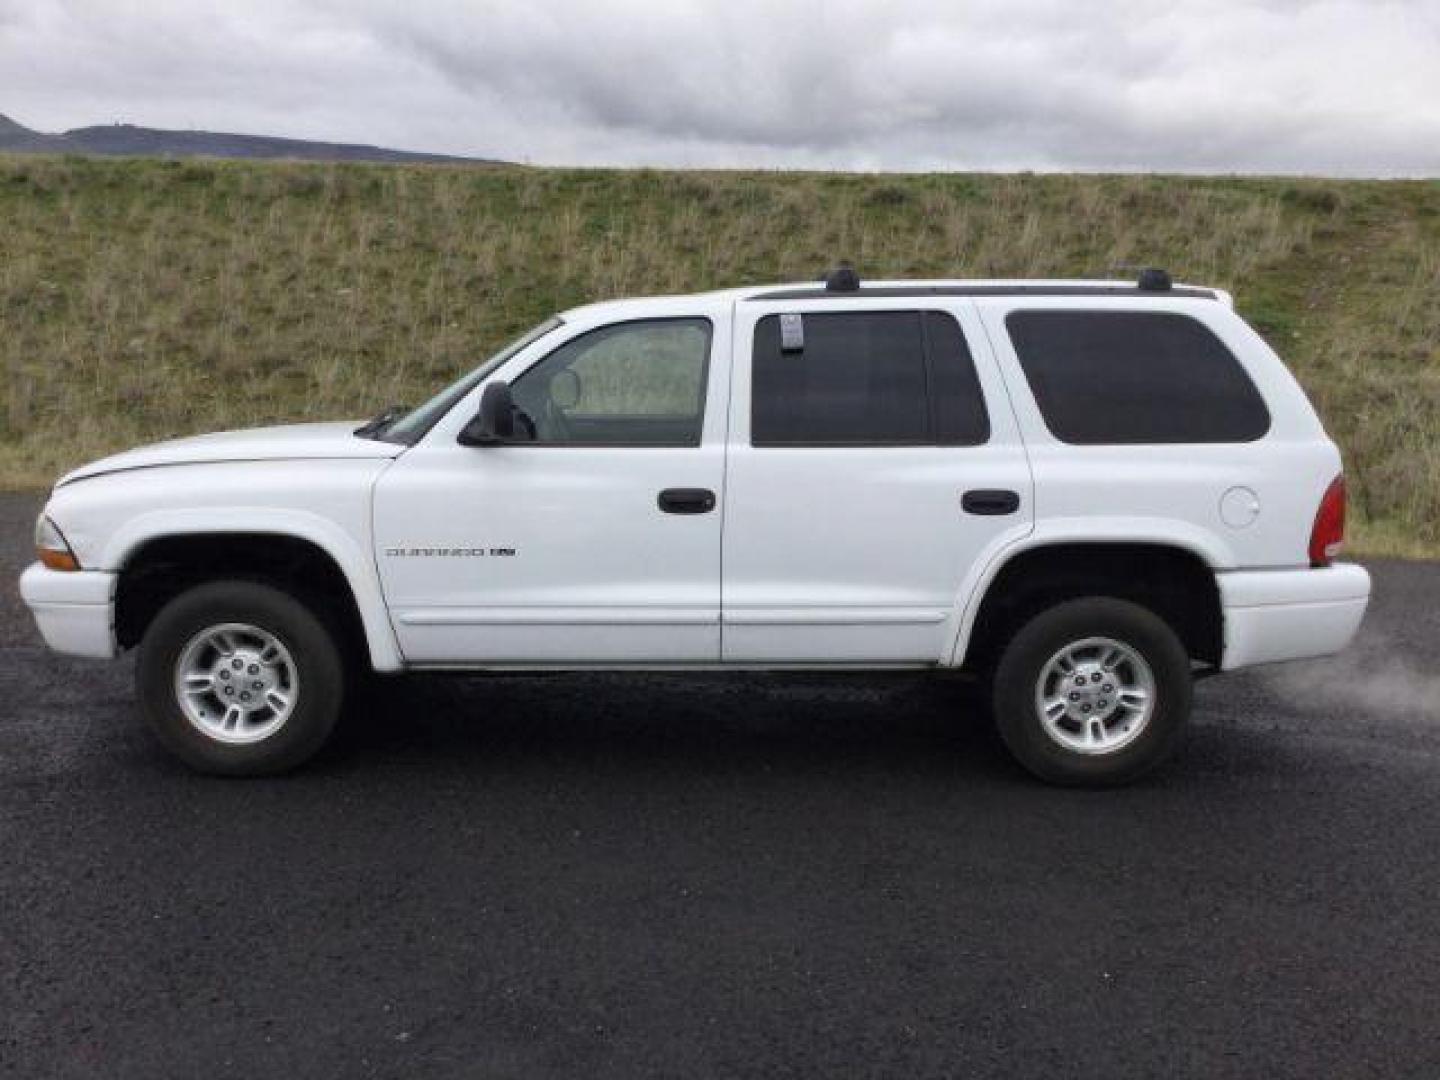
x=495, y=422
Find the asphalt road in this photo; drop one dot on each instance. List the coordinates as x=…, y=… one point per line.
x=604, y=876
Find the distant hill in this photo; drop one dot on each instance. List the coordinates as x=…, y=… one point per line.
x=127, y=140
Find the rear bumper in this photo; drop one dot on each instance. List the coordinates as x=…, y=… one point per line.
x=74, y=610
x=1273, y=615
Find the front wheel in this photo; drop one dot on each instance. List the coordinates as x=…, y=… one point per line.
x=238, y=678
x=1093, y=691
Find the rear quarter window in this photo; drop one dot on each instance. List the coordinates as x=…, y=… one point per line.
x=1129, y=377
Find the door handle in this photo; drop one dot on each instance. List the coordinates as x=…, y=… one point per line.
x=686, y=500
x=990, y=502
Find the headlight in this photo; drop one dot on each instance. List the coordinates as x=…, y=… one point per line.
x=52, y=547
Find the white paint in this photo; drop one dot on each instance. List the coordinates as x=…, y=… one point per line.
x=1239, y=507
x=592, y=547
x=72, y=609
x=1274, y=615
x=854, y=557
x=876, y=532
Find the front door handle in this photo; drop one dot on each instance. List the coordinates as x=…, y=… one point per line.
x=686, y=500
x=991, y=502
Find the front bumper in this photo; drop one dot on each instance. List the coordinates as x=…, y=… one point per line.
x=1273, y=615
x=74, y=610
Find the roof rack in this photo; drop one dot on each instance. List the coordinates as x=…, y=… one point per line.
x=877, y=292
x=842, y=279
x=1153, y=279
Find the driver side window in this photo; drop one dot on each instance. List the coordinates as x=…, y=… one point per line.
x=629, y=384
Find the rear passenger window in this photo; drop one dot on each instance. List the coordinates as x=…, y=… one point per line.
x=883, y=378
x=960, y=416
x=1125, y=377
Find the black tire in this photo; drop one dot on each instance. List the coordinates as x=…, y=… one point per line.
x=1026, y=656
x=312, y=647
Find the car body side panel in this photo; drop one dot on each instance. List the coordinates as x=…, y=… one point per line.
x=326, y=502
x=1179, y=489
x=844, y=554
x=548, y=553
x=829, y=604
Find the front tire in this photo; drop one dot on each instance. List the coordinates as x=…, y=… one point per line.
x=1094, y=691
x=238, y=678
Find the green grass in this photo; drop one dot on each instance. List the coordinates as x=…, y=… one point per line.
x=144, y=299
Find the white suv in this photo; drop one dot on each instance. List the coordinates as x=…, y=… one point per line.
x=1083, y=492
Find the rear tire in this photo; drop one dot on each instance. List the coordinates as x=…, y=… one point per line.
x=1094, y=692
x=221, y=641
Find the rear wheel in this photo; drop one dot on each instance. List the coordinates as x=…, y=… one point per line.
x=1092, y=691
x=240, y=678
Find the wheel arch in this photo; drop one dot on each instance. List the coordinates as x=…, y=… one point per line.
x=250, y=542
x=1172, y=576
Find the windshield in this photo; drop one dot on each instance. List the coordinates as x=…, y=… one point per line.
x=411, y=427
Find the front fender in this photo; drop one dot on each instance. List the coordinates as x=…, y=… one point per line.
x=356, y=563
x=325, y=502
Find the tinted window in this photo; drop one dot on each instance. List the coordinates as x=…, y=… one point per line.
x=631, y=384
x=960, y=417
x=866, y=378
x=1135, y=377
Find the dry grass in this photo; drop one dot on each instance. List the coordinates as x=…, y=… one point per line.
x=142, y=299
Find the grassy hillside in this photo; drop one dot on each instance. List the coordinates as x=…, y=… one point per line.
x=142, y=299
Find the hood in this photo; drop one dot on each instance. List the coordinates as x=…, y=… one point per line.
x=292, y=441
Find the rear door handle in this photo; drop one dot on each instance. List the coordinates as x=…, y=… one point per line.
x=990, y=502
x=686, y=500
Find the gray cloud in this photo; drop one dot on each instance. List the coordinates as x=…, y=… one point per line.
x=1339, y=86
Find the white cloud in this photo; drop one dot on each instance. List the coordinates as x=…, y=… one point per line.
x=1341, y=86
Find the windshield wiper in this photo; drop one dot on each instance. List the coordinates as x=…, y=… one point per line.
x=382, y=420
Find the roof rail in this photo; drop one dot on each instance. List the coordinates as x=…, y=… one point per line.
x=1018, y=288
x=844, y=279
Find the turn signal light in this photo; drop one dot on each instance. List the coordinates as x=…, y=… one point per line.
x=52, y=547
x=58, y=560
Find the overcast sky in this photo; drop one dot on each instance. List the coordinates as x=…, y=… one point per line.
x=1338, y=87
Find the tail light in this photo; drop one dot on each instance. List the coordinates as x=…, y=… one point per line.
x=1328, y=535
